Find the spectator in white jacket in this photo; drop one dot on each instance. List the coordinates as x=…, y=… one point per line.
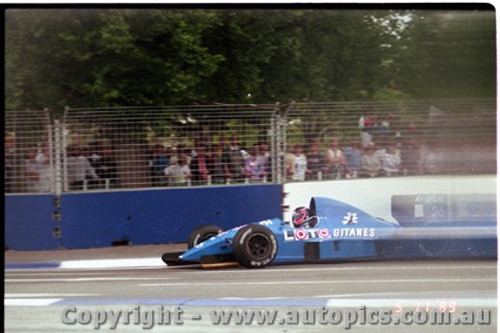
x=391, y=161
x=79, y=169
x=371, y=164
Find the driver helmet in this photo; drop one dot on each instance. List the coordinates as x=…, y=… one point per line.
x=300, y=216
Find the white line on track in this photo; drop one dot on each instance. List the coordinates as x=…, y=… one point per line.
x=410, y=302
x=315, y=268
x=172, y=284
x=157, y=263
x=30, y=301
x=60, y=274
x=98, y=264
x=94, y=279
x=391, y=302
x=405, y=294
x=17, y=295
x=107, y=263
x=332, y=302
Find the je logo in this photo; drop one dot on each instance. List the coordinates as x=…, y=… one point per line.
x=350, y=218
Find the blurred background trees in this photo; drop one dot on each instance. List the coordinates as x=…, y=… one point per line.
x=117, y=57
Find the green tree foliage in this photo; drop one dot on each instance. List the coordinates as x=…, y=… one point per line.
x=114, y=57
x=447, y=54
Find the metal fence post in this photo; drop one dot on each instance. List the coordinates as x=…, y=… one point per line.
x=58, y=156
x=280, y=149
x=278, y=146
x=64, y=156
x=274, y=146
x=52, y=156
x=284, y=140
x=55, y=157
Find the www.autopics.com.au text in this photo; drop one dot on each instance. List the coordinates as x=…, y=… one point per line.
x=148, y=317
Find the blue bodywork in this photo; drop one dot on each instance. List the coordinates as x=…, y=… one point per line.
x=343, y=232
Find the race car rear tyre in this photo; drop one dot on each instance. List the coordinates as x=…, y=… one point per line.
x=255, y=246
x=202, y=233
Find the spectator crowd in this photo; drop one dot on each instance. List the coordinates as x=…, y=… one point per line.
x=378, y=151
x=379, y=158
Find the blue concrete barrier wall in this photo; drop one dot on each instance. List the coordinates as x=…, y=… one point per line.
x=28, y=222
x=142, y=217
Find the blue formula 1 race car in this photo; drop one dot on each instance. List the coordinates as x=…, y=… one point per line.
x=330, y=230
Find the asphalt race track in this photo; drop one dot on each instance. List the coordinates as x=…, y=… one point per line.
x=129, y=289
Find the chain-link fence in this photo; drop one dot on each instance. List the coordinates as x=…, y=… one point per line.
x=136, y=147
x=168, y=146
x=28, y=157
x=353, y=139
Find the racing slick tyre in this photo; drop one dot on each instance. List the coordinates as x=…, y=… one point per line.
x=255, y=246
x=202, y=233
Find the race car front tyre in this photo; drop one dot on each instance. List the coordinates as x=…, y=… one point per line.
x=202, y=233
x=255, y=246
